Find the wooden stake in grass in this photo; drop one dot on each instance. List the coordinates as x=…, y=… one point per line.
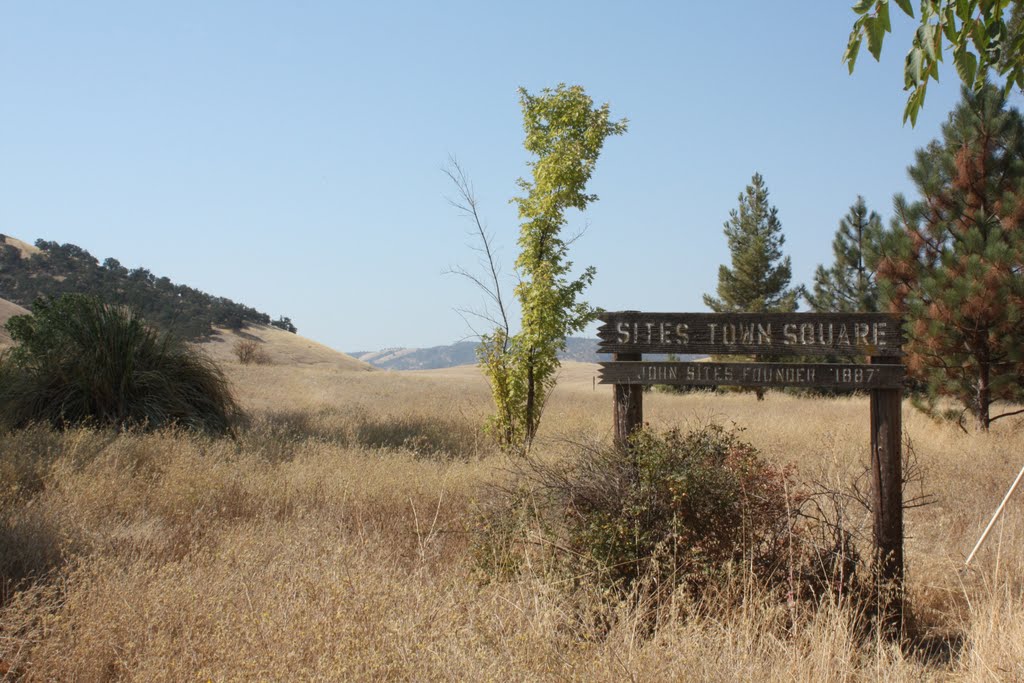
x=995, y=517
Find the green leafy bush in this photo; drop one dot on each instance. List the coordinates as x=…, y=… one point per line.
x=678, y=507
x=78, y=361
x=676, y=510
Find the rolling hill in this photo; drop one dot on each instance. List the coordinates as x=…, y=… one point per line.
x=280, y=347
x=8, y=310
x=49, y=269
x=578, y=349
x=25, y=250
x=215, y=324
x=459, y=353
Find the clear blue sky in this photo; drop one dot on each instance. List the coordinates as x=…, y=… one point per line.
x=287, y=154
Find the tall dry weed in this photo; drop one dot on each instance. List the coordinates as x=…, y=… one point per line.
x=314, y=548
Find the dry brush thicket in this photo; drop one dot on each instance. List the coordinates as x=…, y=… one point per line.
x=332, y=542
x=249, y=351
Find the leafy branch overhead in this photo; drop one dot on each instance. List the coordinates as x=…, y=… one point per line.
x=982, y=36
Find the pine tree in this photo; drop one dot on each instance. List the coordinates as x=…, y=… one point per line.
x=758, y=280
x=849, y=284
x=952, y=267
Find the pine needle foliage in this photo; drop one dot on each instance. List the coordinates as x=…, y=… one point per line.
x=848, y=285
x=758, y=280
x=952, y=267
x=79, y=361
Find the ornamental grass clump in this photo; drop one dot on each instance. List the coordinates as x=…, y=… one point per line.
x=79, y=361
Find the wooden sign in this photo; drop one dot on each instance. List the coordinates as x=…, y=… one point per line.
x=767, y=375
x=630, y=334
x=752, y=334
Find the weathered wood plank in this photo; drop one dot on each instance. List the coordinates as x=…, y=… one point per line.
x=824, y=375
x=887, y=496
x=771, y=334
x=628, y=405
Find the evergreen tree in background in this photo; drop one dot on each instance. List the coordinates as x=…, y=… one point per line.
x=758, y=280
x=849, y=285
x=285, y=323
x=952, y=266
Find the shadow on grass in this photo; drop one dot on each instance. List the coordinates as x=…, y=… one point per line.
x=278, y=432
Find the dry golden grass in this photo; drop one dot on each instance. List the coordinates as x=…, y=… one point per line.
x=281, y=348
x=330, y=543
x=8, y=309
x=27, y=250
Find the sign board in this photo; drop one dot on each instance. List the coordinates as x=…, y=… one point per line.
x=752, y=334
x=766, y=375
x=630, y=334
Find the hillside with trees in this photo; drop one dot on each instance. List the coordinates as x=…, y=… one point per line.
x=57, y=269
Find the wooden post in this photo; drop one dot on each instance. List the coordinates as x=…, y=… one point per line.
x=629, y=405
x=630, y=334
x=887, y=498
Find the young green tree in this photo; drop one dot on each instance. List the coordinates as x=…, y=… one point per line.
x=849, y=284
x=952, y=265
x=565, y=132
x=983, y=37
x=758, y=280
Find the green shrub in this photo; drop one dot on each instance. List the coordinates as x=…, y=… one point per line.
x=674, y=510
x=78, y=361
x=678, y=508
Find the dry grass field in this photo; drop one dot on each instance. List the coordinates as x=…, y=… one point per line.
x=280, y=347
x=331, y=542
x=7, y=311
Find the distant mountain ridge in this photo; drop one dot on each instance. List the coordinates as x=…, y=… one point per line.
x=578, y=349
